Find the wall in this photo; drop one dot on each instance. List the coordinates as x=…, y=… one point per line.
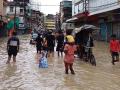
x=95, y=5
x=17, y=10
x=1, y=7
x=77, y=7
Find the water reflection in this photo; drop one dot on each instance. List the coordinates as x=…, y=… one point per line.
x=26, y=75
x=69, y=80
x=10, y=70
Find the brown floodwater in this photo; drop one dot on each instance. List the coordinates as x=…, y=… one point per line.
x=26, y=75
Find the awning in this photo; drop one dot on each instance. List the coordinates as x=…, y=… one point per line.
x=72, y=19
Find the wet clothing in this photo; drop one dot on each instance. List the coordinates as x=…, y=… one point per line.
x=50, y=42
x=114, y=45
x=13, y=46
x=39, y=42
x=69, y=55
x=69, y=66
x=60, y=43
x=115, y=54
x=114, y=48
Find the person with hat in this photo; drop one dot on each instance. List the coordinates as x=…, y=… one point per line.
x=69, y=50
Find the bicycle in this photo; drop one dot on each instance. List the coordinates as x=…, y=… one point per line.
x=89, y=57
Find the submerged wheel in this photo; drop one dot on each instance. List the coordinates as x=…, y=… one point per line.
x=92, y=60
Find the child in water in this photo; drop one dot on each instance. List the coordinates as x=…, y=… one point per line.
x=114, y=49
x=69, y=50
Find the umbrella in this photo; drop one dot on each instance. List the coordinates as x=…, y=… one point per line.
x=89, y=27
x=76, y=30
x=86, y=27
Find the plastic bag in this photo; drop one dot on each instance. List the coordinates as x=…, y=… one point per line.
x=43, y=62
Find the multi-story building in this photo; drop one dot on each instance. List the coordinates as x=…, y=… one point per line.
x=102, y=13
x=65, y=10
x=50, y=22
x=37, y=20
x=57, y=22
x=17, y=9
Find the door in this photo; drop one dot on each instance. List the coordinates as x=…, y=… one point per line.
x=109, y=28
x=116, y=29
x=103, y=31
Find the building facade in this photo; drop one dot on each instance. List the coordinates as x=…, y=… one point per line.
x=17, y=9
x=1, y=7
x=50, y=22
x=37, y=20
x=3, y=20
x=102, y=13
x=57, y=22
x=65, y=10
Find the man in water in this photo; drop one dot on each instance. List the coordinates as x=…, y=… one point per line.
x=12, y=47
x=51, y=43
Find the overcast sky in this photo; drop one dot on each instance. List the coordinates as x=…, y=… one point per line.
x=47, y=9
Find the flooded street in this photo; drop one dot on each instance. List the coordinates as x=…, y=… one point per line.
x=26, y=75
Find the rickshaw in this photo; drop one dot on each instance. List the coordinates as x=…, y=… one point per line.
x=84, y=40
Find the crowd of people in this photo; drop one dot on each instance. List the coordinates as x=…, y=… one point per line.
x=67, y=43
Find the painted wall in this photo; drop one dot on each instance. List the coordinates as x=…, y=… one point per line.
x=17, y=10
x=95, y=5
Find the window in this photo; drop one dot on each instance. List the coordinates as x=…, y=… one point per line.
x=11, y=9
x=21, y=10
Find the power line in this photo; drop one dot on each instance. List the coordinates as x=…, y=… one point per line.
x=44, y=5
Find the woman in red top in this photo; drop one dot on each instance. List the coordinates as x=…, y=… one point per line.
x=69, y=50
x=114, y=49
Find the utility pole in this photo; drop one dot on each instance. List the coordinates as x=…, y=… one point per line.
x=85, y=8
x=15, y=15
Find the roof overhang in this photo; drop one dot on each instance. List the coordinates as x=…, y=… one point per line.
x=72, y=19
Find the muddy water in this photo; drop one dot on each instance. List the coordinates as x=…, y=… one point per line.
x=25, y=74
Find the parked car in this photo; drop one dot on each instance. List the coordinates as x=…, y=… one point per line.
x=33, y=38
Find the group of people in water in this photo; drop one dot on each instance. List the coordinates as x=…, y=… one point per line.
x=65, y=43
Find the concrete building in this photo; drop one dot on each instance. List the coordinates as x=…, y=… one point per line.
x=102, y=13
x=37, y=20
x=1, y=7
x=17, y=8
x=57, y=22
x=50, y=22
x=65, y=10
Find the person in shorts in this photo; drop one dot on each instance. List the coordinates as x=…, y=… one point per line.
x=114, y=49
x=51, y=43
x=69, y=50
x=12, y=47
x=60, y=43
